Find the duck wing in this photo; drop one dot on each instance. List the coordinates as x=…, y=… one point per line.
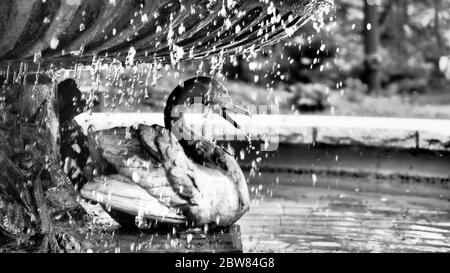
x=142, y=174
x=180, y=170
x=120, y=193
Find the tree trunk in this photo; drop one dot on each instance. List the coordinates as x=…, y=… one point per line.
x=371, y=44
x=439, y=42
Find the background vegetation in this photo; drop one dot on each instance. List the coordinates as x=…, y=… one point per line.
x=327, y=67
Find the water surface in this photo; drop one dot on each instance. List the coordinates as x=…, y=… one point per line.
x=294, y=218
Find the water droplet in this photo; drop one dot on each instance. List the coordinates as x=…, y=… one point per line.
x=54, y=43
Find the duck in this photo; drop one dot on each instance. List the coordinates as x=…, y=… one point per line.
x=156, y=173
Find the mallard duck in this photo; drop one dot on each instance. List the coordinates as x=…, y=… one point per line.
x=150, y=173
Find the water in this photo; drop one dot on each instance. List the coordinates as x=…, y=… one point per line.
x=290, y=217
x=312, y=219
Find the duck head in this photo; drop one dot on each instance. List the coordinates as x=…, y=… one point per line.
x=207, y=91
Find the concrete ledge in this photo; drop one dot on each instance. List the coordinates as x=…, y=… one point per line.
x=427, y=134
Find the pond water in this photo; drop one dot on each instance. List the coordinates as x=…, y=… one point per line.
x=292, y=217
x=311, y=219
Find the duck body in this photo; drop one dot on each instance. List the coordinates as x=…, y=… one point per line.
x=152, y=177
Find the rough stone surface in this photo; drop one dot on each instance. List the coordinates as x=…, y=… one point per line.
x=76, y=30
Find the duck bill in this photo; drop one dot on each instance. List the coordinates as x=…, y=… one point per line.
x=237, y=109
x=232, y=108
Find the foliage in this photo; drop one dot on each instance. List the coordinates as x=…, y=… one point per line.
x=414, y=35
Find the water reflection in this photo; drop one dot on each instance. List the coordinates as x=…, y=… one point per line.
x=312, y=219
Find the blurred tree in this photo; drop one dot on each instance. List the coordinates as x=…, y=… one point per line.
x=413, y=36
x=437, y=33
x=371, y=43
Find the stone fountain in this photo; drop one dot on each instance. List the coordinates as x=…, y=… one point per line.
x=76, y=30
x=39, y=38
